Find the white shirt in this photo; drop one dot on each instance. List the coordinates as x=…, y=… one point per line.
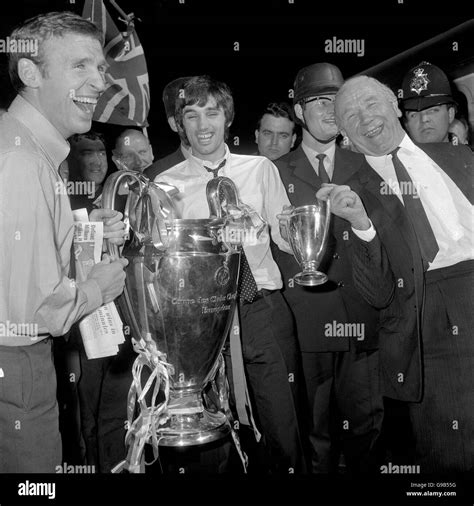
x=259, y=186
x=328, y=160
x=449, y=212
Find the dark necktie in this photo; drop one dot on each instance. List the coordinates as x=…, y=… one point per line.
x=215, y=171
x=322, y=170
x=416, y=212
x=247, y=286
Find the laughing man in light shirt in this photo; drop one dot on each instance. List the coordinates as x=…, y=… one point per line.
x=204, y=115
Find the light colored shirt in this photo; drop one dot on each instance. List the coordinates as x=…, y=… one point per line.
x=449, y=212
x=36, y=230
x=328, y=160
x=259, y=186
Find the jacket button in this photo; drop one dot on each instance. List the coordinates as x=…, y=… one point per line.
x=340, y=284
x=335, y=256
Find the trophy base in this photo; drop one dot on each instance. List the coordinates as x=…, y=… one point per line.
x=191, y=424
x=311, y=278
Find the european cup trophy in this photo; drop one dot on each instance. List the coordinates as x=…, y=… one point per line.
x=307, y=230
x=179, y=298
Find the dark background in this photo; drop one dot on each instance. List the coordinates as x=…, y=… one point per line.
x=276, y=39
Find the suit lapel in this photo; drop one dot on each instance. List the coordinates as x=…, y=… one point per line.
x=390, y=211
x=303, y=170
x=346, y=164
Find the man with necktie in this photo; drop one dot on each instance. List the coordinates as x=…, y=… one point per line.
x=420, y=232
x=204, y=112
x=340, y=371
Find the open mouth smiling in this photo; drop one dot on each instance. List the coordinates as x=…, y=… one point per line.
x=85, y=104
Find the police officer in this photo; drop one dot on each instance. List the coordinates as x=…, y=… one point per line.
x=336, y=329
x=427, y=103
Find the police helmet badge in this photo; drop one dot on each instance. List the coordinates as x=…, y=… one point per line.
x=420, y=82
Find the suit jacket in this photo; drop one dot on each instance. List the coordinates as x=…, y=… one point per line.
x=400, y=323
x=316, y=308
x=164, y=164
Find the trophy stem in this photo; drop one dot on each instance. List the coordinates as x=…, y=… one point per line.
x=189, y=423
x=310, y=275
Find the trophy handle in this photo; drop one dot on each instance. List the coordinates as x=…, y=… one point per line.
x=164, y=209
x=217, y=187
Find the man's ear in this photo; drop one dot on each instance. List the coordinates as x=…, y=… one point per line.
x=29, y=73
x=299, y=112
x=451, y=113
x=397, y=110
x=293, y=140
x=256, y=136
x=172, y=124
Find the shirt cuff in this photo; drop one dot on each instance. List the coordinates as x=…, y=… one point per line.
x=365, y=235
x=93, y=294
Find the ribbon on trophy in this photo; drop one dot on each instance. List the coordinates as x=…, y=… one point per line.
x=147, y=206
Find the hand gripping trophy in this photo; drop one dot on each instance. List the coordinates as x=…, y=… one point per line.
x=179, y=299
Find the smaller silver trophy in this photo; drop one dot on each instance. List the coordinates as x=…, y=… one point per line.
x=307, y=230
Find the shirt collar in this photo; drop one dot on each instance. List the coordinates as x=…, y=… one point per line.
x=406, y=145
x=48, y=137
x=199, y=163
x=311, y=153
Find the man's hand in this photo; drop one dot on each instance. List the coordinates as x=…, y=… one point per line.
x=346, y=204
x=110, y=277
x=114, y=228
x=283, y=220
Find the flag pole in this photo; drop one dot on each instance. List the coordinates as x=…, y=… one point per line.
x=128, y=18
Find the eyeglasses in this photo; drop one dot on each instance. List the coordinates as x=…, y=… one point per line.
x=321, y=102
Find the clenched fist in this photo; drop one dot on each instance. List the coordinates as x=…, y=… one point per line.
x=114, y=228
x=110, y=277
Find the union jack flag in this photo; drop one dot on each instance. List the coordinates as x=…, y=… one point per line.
x=126, y=100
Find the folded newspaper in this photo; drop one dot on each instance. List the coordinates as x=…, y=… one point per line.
x=102, y=330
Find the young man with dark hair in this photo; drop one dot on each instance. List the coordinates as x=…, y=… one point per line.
x=275, y=134
x=204, y=113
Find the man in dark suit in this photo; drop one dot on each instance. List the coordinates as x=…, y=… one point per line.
x=336, y=328
x=419, y=200
x=170, y=93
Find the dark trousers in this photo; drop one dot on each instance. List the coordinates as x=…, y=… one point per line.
x=346, y=409
x=272, y=367
x=29, y=430
x=443, y=423
x=103, y=390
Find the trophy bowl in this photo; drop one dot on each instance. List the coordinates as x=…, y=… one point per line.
x=183, y=299
x=179, y=299
x=307, y=229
